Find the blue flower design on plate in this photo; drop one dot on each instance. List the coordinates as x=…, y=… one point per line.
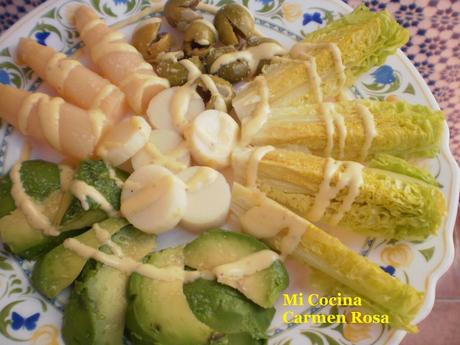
x=389, y=269
x=18, y=321
x=312, y=17
x=4, y=77
x=384, y=75
x=265, y=2
x=120, y=2
x=41, y=37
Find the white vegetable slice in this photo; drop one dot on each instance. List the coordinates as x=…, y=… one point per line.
x=153, y=199
x=211, y=138
x=161, y=108
x=208, y=198
x=123, y=140
x=166, y=148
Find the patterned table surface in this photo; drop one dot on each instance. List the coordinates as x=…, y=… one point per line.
x=434, y=48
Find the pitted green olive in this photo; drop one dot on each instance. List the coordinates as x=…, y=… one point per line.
x=255, y=41
x=233, y=72
x=199, y=37
x=234, y=24
x=174, y=71
x=180, y=13
x=224, y=88
x=149, y=41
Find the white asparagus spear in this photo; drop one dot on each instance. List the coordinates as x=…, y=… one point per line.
x=118, y=61
x=73, y=81
x=70, y=130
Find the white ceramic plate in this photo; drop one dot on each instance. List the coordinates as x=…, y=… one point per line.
x=27, y=317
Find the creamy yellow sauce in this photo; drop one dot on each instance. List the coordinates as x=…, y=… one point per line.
x=370, y=130
x=219, y=103
x=249, y=265
x=26, y=109
x=105, y=238
x=49, y=115
x=253, y=164
x=58, y=70
x=148, y=195
x=180, y=103
x=351, y=177
x=203, y=177
x=113, y=176
x=252, y=56
x=304, y=49
x=229, y=273
x=315, y=79
x=252, y=124
x=98, y=121
x=81, y=190
x=193, y=71
x=102, y=94
x=168, y=160
x=110, y=43
x=332, y=119
x=66, y=175
x=25, y=203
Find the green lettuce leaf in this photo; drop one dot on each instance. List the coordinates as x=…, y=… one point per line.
x=389, y=205
x=404, y=130
x=400, y=166
x=327, y=254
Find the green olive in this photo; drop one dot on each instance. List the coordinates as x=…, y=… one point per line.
x=254, y=41
x=149, y=41
x=233, y=72
x=180, y=13
x=234, y=24
x=174, y=71
x=224, y=88
x=199, y=37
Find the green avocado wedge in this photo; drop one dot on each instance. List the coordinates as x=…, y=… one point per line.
x=227, y=310
x=57, y=269
x=41, y=182
x=95, y=313
x=97, y=174
x=218, y=247
x=155, y=308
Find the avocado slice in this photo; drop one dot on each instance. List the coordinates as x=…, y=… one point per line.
x=95, y=313
x=57, y=269
x=41, y=181
x=218, y=247
x=95, y=173
x=158, y=312
x=227, y=310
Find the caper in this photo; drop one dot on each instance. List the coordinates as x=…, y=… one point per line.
x=180, y=13
x=174, y=71
x=199, y=37
x=233, y=72
x=234, y=24
x=149, y=41
x=224, y=88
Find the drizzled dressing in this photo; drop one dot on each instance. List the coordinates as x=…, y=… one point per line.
x=82, y=191
x=351, y=178
x=58, y=70
x=143, y=74
x=252, y=124
x=26, y=204
x=252, y=56
x=169, y=160
x=253, y=164
x=230, y=273
x=332, y=119
x=370, y=130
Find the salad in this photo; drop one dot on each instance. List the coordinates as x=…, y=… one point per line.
x=230, y=128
